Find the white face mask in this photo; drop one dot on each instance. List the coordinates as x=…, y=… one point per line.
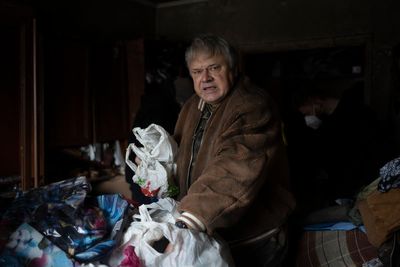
x=312, y=121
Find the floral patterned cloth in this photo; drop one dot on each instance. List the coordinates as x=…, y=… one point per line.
x=80, y=225
x=28, y=247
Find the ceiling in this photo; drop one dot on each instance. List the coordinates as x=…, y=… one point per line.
x=166, y=3
x=98, y=19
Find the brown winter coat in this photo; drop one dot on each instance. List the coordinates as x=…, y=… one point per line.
x=240, y=179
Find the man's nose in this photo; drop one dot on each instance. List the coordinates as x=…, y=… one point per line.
x=205, y=76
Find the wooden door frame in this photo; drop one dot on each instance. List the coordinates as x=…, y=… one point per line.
x=31, y=135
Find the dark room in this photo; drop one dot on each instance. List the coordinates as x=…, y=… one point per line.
x=200, y=133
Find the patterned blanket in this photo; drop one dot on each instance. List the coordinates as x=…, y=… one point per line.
x=336, y=248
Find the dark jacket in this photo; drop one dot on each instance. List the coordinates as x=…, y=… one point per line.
x=240, y=179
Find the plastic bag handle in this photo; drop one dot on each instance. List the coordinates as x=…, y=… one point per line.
x=132, y=165
x=144, y=214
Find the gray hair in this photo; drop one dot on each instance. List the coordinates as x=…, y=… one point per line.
x=214, y=46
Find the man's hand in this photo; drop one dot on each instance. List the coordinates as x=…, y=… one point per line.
x=168, y=248
x=163, y=245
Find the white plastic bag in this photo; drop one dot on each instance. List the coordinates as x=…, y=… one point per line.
x=189, y=247
x=157, y=156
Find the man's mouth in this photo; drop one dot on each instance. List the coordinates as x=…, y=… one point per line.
x=209, y=88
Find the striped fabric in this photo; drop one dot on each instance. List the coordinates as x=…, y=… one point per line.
x=335, y=248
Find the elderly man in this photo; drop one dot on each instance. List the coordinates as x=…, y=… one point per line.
x=232, y=168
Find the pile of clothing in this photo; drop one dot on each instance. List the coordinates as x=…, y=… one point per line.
x=61, y=225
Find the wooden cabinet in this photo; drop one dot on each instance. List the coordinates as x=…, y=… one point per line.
x=20, y=135
x=108, y=81
x=92, y=92
x=68, y=118
x=88, y=93
x=10, y=108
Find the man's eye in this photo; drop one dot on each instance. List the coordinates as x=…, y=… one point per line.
x=196, y=72
x=214, y=68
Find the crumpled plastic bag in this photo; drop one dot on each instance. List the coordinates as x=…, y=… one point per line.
x=157, y=167
x=189, y=247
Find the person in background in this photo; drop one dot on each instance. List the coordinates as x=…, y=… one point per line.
x=231, y=167
x=337, y=148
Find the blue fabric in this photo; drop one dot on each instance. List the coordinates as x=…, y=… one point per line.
x=79, y=225
x=113, y=207
x=96, y=252
x=335, y=226
x=28, y=247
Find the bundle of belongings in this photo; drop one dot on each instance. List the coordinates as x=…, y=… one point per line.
x=59, y=224
x=186, y=247
x=62, y=224
x=379, y=206
x=370, y=237
x=157, y=161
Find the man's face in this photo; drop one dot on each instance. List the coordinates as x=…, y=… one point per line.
x=212, y=77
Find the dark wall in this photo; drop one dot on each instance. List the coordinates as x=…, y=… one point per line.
x=289, y=25
x=259, y=25
x=258, y=21
x=96, y=19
